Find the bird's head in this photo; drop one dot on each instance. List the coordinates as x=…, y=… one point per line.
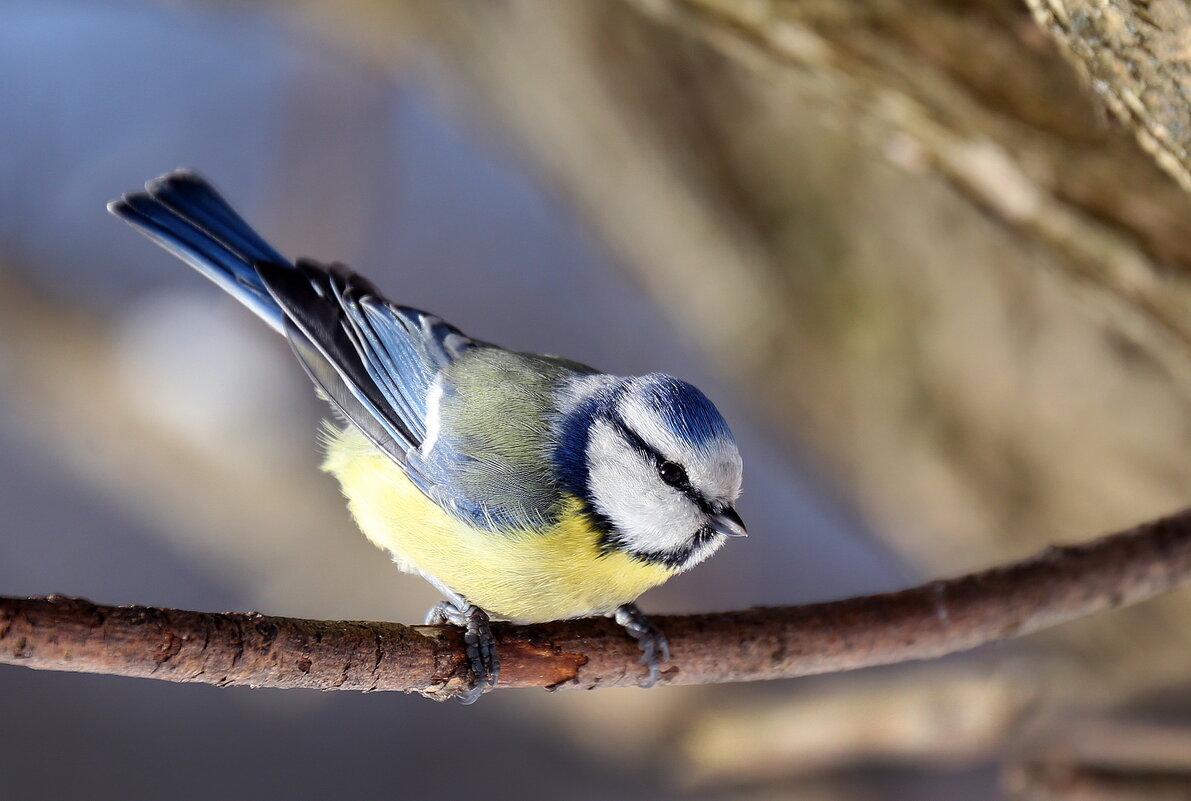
x=657, y=466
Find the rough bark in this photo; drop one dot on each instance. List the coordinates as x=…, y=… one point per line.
x=1134, y=56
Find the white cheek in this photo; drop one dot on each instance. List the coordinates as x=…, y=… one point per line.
x=625, y=487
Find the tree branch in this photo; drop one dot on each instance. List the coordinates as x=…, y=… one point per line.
x=1134, y=56
x=1080, y=782
x=1055, y=586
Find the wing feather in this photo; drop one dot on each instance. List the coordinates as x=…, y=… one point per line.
x=387, y=355
x=471, y=438
x=306, y=296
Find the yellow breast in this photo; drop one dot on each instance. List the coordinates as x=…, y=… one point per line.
x=530, y=576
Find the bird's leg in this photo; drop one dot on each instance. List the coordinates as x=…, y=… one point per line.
x=654, y=648
x=477, y=637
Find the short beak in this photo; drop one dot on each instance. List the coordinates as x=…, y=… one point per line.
x=728, y=523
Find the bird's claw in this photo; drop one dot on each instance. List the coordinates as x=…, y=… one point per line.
x=655, y=649
x=478, y=642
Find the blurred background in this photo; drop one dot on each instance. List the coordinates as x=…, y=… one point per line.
x=945, y=315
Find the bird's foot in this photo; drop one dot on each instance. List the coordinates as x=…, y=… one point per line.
x=654, y=647
x=478, y=639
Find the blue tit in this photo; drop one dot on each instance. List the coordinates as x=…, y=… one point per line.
x=525, y=487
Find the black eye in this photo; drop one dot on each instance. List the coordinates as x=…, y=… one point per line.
x=673, y=474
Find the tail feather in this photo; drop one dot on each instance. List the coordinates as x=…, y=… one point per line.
x=184, y=214
x=374, y=361
x=188, y=194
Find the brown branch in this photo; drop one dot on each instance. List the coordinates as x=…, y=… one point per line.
x=942, y=617
x=1134, y=56
x=1079, y=782
x=1080, y=758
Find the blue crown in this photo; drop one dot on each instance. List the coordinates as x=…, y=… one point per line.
x=684, y=409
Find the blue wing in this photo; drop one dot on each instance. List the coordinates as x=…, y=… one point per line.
x=406, y=349
x=374, y=361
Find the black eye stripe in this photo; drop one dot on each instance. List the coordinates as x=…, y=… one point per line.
x=634, y=439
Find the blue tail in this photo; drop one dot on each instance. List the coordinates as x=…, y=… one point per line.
x=185, y=214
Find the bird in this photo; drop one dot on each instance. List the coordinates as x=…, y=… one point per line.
x=524, y=487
